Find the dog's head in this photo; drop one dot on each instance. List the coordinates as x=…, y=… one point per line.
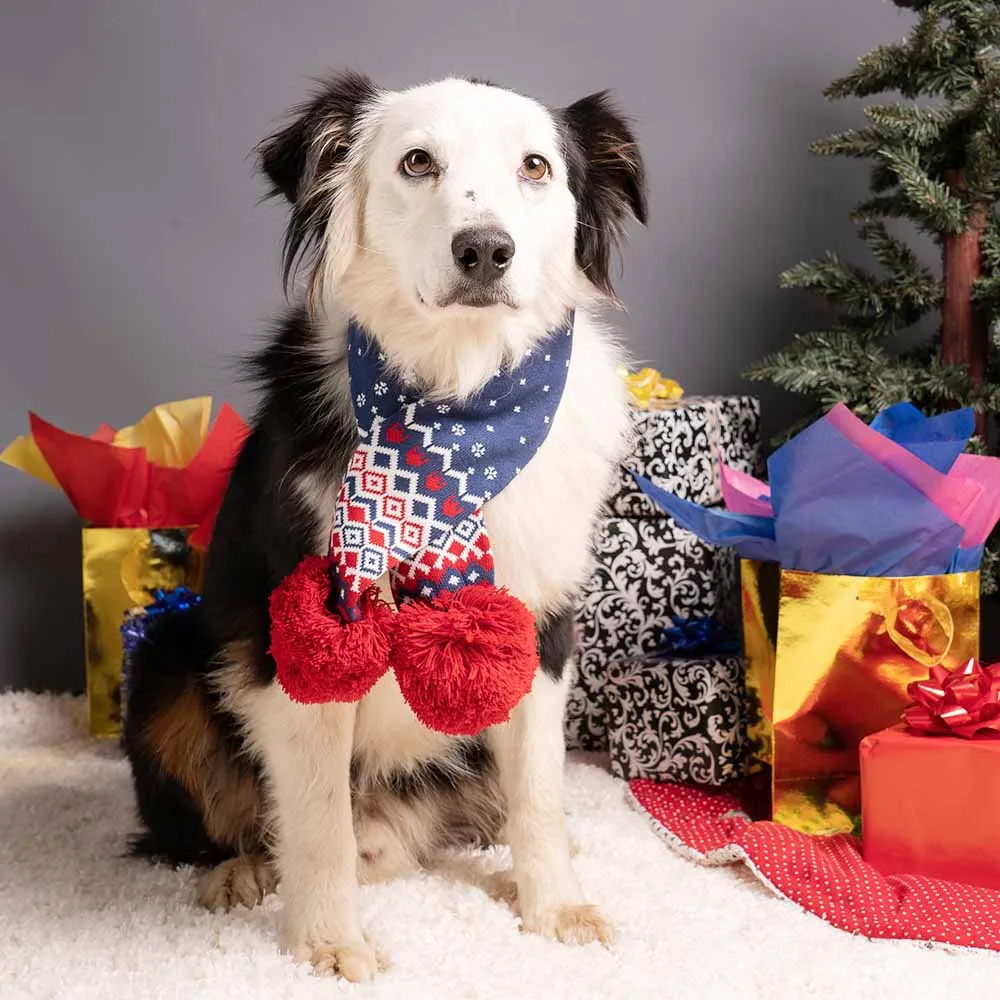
x=454, y=199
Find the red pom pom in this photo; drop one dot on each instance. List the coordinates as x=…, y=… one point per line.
x=466, y=659
x=320, y=657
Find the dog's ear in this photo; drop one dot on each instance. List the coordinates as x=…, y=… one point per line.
x=282, y=156
x=310, y=163
x=331, y=117
x=607, y=178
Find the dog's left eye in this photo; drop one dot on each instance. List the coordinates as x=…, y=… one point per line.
x=535, y=168
x=417, y=163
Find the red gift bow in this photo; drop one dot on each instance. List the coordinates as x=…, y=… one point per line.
x=961, y=702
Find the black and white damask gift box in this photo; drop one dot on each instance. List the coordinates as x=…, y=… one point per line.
x=677, y=719
x=647, y=572
x=678, y=447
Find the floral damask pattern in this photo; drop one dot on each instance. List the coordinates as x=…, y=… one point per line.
x=647, y=571
x=678, y=448
x=677, y=719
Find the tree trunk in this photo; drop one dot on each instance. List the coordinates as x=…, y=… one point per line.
x=964, y=329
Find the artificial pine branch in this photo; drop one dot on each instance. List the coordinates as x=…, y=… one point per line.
x=910, y=122
x=894, y=255
x=860, y=143
x=906, y=297
x=932, y=199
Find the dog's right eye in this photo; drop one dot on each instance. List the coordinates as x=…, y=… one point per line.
x=417, y=163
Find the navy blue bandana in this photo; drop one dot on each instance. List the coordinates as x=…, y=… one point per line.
x=412, y=498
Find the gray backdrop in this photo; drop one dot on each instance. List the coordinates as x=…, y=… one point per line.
x=136, y=264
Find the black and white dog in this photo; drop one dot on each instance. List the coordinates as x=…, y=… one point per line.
x=458, y=222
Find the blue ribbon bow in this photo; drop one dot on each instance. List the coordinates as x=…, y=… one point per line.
x=697, y=636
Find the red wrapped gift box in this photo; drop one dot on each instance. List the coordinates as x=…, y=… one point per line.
x=930, y=788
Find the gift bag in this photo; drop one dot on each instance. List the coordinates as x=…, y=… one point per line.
x=860, y=571
x=829, y=660
x=124, y=568
x=148, y=496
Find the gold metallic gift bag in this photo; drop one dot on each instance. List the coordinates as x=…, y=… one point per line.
x=122, y=570
x=148, y=496
x=828, y=662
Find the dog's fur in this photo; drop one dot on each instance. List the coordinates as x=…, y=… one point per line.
x=229, y=772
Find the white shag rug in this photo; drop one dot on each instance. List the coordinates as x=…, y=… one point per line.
x=79, y=920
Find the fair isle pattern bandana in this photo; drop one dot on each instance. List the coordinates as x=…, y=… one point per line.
x=411, y=503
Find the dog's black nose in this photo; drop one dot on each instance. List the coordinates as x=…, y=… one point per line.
x=483, y=254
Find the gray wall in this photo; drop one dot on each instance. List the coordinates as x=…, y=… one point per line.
x=136, y=264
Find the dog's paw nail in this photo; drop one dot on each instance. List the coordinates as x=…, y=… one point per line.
x=355, y=961
x=579, y=923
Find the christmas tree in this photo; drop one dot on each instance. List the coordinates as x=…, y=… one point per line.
x=935, y=162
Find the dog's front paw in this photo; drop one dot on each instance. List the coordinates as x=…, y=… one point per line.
x=355, y=961
x=573, y=923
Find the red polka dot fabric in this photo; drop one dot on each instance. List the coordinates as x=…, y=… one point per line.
x=824, y=875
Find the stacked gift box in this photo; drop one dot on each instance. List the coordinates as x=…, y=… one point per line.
x=677, y=715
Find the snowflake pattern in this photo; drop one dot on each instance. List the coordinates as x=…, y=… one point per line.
x=411, y=501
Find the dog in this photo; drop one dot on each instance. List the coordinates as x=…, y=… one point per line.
x=459, y=223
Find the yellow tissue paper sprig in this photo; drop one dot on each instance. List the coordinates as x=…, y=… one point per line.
x=650, y=389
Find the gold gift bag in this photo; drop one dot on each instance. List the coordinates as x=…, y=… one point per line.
x=829, y=659
x=122, y=570
x=129, y=487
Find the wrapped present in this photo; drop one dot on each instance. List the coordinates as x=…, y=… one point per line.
x=677, y=444
x=929, y=802
x=148, y=496
x=860, y=573
x=679, y=716
x=646, y=572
